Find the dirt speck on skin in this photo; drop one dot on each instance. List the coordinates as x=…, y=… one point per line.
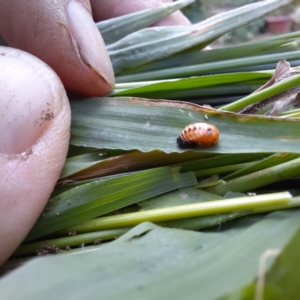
x=47, y=249
x=46, y=115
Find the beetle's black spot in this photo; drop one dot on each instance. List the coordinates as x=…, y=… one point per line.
x=184, y=144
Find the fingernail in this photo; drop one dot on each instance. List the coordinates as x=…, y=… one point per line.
x=27, y=101
x=90, y=43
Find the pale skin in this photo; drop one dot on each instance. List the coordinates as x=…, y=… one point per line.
x=34, y=108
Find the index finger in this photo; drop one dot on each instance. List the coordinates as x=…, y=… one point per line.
x=62, y=34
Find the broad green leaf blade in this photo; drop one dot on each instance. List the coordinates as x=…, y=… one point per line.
x=174, y=264
x=102, y=196
x=283, y=272
x=146, y=125
x=197, y=86
x=154, y=43
x=115, y=29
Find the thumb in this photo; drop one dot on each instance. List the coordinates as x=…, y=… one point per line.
x=35, y=129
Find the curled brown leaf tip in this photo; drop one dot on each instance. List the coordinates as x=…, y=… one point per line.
x=271, y=106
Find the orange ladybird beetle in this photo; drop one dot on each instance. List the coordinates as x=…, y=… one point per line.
x=198, y=133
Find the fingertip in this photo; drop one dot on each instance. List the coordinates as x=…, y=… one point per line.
x=29, y=100
x=34, y=148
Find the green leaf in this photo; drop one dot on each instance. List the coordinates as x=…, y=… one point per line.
x=189, y=196
x=154, y=43
x=223, y=170
x=174, y=264
x=146, y=125
x=90, y=166
x=179, y=197
x=282, y=275
x=102, y=196
x=114, y=29
x=195, y=86
x=270, y=161
x=221, y=161
x=267, y=46
x=260, y=178
x=229, y=66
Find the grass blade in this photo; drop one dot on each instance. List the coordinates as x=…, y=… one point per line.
x=229, y=66
x=282, y=43
x=102, y=196
x=273, y=160
x=259, y=179
x=115, y=29
x=147, y=125
x=199, y=86
x=83, y=168
x=154, y=43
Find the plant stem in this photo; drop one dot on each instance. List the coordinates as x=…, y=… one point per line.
x=295, y=202
x=184, y=211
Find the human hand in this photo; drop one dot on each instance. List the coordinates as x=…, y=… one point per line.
x=34, y=109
